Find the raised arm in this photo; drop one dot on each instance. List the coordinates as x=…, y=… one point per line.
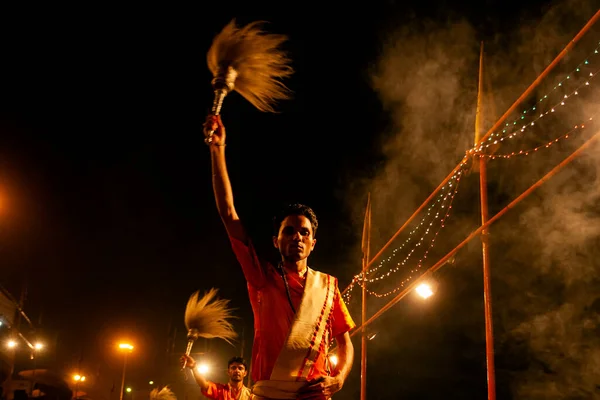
x=220, y=180
x=190, y=363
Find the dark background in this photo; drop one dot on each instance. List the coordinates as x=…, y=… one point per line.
x=108, y=220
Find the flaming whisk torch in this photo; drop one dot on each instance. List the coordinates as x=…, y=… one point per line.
x=208, y=317
x=251, y=62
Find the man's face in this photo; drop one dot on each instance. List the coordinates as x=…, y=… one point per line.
x=237, y=372
x=295, y=239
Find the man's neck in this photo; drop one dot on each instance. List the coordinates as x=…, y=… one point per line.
x=236, y=385
x=298, y=267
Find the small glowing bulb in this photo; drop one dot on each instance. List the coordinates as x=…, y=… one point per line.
x=333, y=359
x=128, y=390
x=12, y=344
x=203, y=369
x=424, y=290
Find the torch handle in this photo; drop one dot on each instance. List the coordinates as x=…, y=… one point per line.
x=188, y=350
x=216, y=110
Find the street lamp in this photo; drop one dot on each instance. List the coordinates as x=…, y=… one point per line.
x=203, y=369
x=37, y=347
x=126, y=348
x=78, y=379
x=424, y=290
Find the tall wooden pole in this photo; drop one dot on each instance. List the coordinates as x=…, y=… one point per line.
x=366, y=244
x=487, y=288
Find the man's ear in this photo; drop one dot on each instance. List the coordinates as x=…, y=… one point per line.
x=314, y=242
x=275, y=244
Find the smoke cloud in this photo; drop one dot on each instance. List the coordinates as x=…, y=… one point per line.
x=545, y=253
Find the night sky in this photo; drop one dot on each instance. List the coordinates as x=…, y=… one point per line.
x=107, y=215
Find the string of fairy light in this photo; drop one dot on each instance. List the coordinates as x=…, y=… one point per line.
x=448, y=191
x=438, y=211
x=576, y=129
x=580, y=69
x=523, y=128
x=419, y=265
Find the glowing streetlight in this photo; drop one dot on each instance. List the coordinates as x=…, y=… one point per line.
x=151, y=383
x=38, y=346
x=128, y=390
x=203, y=369
x=424, y=290
x=11, y=344
x=126, y=348
x=78, y=379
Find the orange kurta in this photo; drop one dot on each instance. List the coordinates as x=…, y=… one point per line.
x=219, y=391
x=273, y=316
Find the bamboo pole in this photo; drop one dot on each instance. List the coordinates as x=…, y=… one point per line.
x=366, y=244
x=487, y=285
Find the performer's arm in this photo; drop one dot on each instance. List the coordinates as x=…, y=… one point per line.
x=329, y=385
x=345, y=355
x=342, y=323
x=191, y=364
x=242, y=246
x=220, y=179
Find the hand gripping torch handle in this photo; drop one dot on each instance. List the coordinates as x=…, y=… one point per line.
x=188, y=350
x=222, y=84
x=216, y=110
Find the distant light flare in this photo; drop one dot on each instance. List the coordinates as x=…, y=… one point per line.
x=333, y=359
x=203, y=369
x=424, y=290
x=125, y=346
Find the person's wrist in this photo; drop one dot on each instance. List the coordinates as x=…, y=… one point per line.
x=213, y=144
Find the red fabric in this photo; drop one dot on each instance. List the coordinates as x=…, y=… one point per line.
x=273, y=316
x=218, y=391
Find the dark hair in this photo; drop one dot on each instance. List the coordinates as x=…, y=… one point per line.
x=238, y=360
x=295, y=209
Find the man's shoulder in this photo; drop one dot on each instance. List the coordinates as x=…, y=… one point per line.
x=246, y=393
x=322, y=274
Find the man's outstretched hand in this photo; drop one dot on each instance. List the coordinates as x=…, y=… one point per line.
x=215, y=125
x=321, y=388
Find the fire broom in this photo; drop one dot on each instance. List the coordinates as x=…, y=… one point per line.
x=251, y=62
x=163, y=394
x=207, y=317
